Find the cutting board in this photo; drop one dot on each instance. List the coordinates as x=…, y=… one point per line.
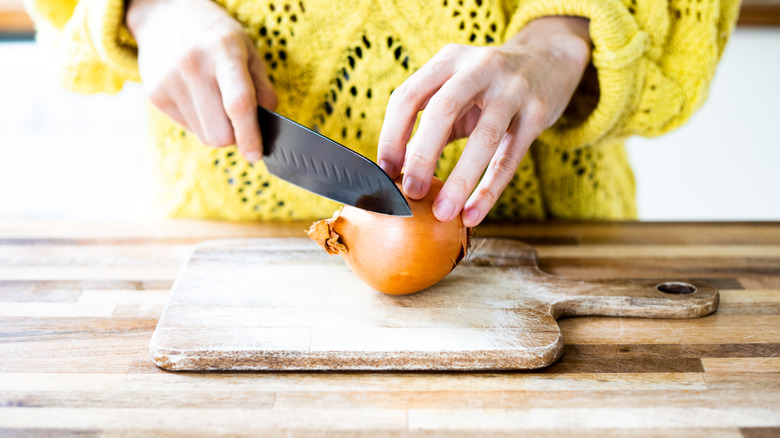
x=284, y=304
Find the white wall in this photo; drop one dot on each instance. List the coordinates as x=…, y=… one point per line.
x=724, y=164
x=65, y=155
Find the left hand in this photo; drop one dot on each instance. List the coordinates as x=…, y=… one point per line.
x=502, y=98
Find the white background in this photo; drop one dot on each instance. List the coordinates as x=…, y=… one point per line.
x=69, y=156
x=724, y=164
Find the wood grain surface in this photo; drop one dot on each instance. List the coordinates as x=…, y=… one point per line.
x=284, y=304
x=79, y=303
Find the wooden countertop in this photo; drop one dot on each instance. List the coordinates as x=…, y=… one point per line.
x=79, y=303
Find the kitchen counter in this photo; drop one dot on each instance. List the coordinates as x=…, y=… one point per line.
x=79, y=303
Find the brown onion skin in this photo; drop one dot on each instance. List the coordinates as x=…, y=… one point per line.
x=402, y=255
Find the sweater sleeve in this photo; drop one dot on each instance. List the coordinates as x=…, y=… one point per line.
x=652, y=63
x=92, y=50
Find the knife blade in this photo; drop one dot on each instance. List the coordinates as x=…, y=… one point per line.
x=322, y=166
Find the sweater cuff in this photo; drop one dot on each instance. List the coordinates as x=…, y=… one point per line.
x=618, y=43
x=111, y=39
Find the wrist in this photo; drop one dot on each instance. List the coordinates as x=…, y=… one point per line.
x=138, y=12
x=565, y=37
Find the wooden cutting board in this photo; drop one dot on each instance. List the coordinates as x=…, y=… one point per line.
x=284, y=304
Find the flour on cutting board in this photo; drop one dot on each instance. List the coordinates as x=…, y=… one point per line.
x=268, y=304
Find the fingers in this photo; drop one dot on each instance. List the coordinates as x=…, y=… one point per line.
x=495, y=147
x=405, y=102
x=448, y=105
x=500, y=98
x=210, y=84
x=240, y=103
x=172, y=96
x=213, y=125
x=513, y=147
x=168, y=106
x=481, y=149
x=501, y=168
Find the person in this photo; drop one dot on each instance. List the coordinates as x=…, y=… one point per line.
x=521, y=106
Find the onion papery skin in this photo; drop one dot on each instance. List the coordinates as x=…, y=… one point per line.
x=398, y=255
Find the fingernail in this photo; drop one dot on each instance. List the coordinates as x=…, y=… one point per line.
x=412, y=187
x=444, y=209
x=253, y=156
x=387, y=167
x=472, y=216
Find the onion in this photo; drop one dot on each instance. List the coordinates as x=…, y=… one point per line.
x=395, y=255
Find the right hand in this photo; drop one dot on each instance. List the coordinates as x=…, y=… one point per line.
x=200, y=68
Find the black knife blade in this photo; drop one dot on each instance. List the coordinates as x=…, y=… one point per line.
x=322, y=166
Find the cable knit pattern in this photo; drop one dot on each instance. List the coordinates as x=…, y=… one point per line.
x=335, y=64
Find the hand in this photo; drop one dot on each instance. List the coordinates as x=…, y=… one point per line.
x=200, y=68
x=502, y=98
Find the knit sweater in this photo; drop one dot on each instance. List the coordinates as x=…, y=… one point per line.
x=335, y=64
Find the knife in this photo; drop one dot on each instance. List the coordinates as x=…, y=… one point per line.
x=324, y=167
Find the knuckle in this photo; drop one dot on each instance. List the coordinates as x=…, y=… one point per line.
x=202, y=138
x=461, y=185
x=440, y=65
x=488, y=136
x=238, y=104
x=169, y=82
x=190, y=62
x=534, y=102
x=222, y=139
x=396, y=97
x=520, y=86
x=420, y=160
x=157, y=96
x=218, y=139
x=488, y=65
x=219, y=133
x=505, y=166
x=207, y=139
x=451, y=48
x=444, y=105
x=488, y=194
x=405, y=93
x=537, y=113
x=219, y=38
x=491, y=56
x=225, y=40
x=387, y=146
x=506, y=105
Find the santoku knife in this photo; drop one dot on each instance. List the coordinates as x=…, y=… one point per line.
x=322, y=166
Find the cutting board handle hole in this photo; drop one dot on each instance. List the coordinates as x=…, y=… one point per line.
x=676, y=287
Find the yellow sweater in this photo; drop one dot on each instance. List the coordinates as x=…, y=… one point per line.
x=334, y=65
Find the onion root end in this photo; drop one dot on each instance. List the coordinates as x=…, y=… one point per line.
x=322, y=233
